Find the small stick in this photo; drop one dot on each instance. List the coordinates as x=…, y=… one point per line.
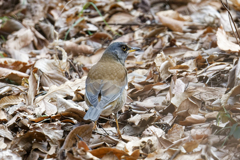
x=75, y=68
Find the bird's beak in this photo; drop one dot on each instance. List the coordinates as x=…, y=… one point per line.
x=133, y=49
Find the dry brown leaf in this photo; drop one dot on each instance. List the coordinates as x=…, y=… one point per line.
x=45, y=106
x=71, y=112
x=110, y=155
x=14, y=64
x=75, y=49
x=153, y=130
x=121, y=17
x=201, y=133
x=193, y=119
x=90, y=61
x=13, y=75
x=4, y=132
x=64, y=90
x=195, y=155
x=101, y=37
x=2, y=144
x=190, y=146
x=32, y=90
x=82, y=144
x=20, y=39
x=142, y=119
x=224, y=43
x=188, y=105
x=84, y=131
x=3, y=116
x=160, y=153
x=173, y=24
x=11, y=100
x=103, y=151
x=9, y=155
x=52, y=71
x=10, y=26
x=175, y=133
x=146, y=144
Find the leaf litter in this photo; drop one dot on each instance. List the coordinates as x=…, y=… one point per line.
x=183, y=88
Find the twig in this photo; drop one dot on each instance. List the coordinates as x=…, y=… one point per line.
x=175, y=154
x=65, y=6
x=102, y=128
x=229, y=13
x=75, y=68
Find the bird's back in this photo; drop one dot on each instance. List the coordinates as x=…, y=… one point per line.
x=106, y=79
x=108, y=70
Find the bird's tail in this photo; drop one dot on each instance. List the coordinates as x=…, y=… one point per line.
x=93, y=113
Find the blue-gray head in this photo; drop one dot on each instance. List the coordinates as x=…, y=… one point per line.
x=119, y=51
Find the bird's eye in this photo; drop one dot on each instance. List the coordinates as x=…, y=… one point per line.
x=124, y=48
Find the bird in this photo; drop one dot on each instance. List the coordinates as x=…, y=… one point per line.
x=105, y=88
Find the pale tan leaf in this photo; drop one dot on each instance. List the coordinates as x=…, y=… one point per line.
x=224, y=43
x=11, y=100
x=13, y=75
x=32, y=90
x=4, y=132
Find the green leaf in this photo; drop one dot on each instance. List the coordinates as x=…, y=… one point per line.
x=236, y=133
x=233, y=129
x=78, y=21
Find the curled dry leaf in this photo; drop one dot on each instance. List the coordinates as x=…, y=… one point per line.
x=193, y=119
x=101, y=152
x=71, y=112
x=13, y=75
x=101, y=37
x=234, y=91
x=2, y=144
x=19, y=44
x=89, y=61
x=201, y=133
x=147, y=145
x=175, y=133
x=45, y=106
x=4, y=132
x=160, y=153
x=224, y=43
x=14, y=64
x=10, y=155
x=66, y=89
x=188, y=105
x=173, y=24
x=32, y=90
x=75, y=49
x=10, y=26
x=20, y=39
x=51, y=71
x=142, y=119
x=84, y=131
x=190, y=146
x=11, y=100
x=121, y=17
x=3, y=116
x=163, y=63
x=153, y=130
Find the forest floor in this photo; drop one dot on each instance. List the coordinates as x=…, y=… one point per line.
x=183, y=87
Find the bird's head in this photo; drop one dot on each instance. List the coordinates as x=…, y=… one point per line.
x=120, y=51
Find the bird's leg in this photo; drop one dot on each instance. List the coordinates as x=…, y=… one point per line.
x=118, y=130
x=95, y=125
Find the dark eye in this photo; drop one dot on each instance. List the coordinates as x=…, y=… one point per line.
x=124, y=48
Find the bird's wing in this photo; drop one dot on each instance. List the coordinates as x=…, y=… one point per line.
x=110, y=91
x=93, y=88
